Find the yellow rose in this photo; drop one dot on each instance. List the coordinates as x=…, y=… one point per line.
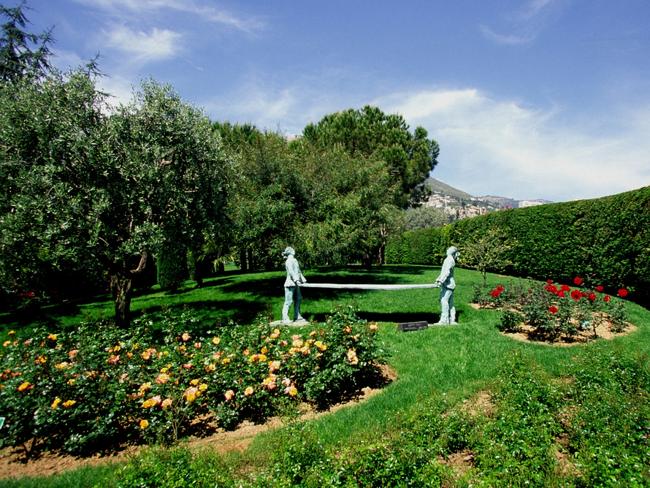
x=162, y=378
x=249, y=391
x=190, y=394
x=229, y=395
x=52, y=337
x=25, y=386
x=166, y=403
x=148, y=403
x=55, y=403
x=216, y=340
x=69, y=403
x=144, y=424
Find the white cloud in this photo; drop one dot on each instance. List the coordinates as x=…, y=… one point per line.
x=507, y=39
x=156, y=45
x=522, y=25
x=500, y=146
x=287, y=108
x=204, y=11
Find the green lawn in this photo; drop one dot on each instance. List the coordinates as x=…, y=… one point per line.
x=436, y=369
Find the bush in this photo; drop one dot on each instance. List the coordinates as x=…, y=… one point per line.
x=554, y=310
x=510, y=321
x=606, y=239
x=98, y=386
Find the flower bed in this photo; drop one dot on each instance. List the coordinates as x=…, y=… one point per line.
x=100, y=387
x=558, y=312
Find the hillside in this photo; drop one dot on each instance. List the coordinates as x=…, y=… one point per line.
x=459, y=204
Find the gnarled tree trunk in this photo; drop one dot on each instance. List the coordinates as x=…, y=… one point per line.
x=122, y=290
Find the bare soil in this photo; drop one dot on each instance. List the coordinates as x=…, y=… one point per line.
x=13, y=463
x=603, y=331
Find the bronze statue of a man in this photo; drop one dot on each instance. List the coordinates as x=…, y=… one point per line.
x=447, y=285
x=292, y=287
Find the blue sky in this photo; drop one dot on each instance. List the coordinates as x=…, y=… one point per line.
x=527, y=99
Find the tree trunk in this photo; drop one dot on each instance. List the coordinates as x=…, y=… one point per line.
x=122, y=289
x=121, y=286
x=243, y=263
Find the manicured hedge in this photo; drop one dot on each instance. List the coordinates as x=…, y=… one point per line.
x=605, y=240
x=421, y=246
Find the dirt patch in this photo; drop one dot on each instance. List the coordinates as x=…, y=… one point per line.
x=603, y=331
x=460, y=462
x=479, y=404
x=13, y=464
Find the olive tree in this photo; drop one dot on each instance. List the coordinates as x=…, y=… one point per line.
x=82, y=188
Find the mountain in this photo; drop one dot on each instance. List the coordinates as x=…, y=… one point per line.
x=459, y=204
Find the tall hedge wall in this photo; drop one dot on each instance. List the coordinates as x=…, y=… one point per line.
x=606, y=240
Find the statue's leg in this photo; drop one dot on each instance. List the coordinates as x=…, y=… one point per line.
x=288, y=300
x=296, y=306
x=452, y=308
x=444, y=306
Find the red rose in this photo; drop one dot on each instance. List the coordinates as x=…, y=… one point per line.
x=622, y=292
x=578, y=281
x=565, y=288
x=592, y=296
x=553, y=309
x=576, y=295
x=600, y=288
x=551, y=289
x=607, y=298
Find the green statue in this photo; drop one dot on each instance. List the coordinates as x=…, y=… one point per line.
x=292, y=287
x=447, y=285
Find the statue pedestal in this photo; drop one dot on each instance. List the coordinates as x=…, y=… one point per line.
x=293, y=323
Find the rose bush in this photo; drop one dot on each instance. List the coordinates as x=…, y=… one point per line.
x=98, y=386
x=555, y=310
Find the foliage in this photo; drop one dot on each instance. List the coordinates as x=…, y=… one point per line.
x=267, y=198
x=83, y=191
x=96, y=386
x=510, y=321
x=488, y=251
x=588, y=428
x=554, y=310
x=369, y=133
x=171, y=263
x=606, y=239
x=22, y=54
x=421, y=246
x=349, y=210
x=49, y=166
x=423, y=218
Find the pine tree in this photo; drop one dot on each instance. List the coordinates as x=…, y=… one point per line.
x=22, y=54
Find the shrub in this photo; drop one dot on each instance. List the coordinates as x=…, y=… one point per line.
x=98, y=386
x=555, y=310
x=510, y=321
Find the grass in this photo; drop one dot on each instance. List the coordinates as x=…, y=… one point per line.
x=438, y=366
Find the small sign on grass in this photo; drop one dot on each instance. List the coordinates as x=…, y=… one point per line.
x=409, y=326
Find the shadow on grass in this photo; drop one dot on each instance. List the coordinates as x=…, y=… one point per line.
x=212, y=312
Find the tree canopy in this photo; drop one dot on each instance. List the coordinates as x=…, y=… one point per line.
x=22, y=54
x=370, y=133
x=92, y=195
